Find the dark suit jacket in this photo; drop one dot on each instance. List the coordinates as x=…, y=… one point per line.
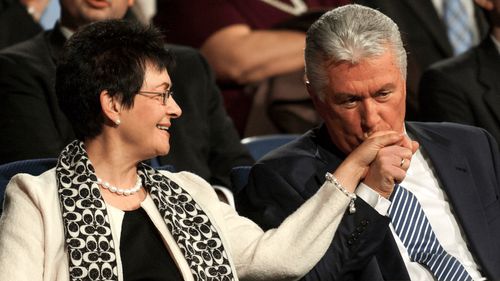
x=425, y=38
x=203, y=139
x=16, y=24
x=465, y=89
x=466, y=161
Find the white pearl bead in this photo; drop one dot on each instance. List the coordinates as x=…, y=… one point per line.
x=121, y=191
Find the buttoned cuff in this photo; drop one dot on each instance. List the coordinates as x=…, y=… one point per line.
x=372, y=198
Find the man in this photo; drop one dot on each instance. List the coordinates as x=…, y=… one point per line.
x=425, y=35
x=355, y=70
x=204, y=140
x=466, y=89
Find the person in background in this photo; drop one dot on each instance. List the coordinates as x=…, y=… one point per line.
x=144, y=10
x=255, y=48
x=18, y=22
x=101, y=214
x=432, y=30
x=447, y=191
x=33, y=125
x=466, y=89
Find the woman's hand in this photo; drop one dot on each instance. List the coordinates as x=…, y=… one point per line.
x=357, y=164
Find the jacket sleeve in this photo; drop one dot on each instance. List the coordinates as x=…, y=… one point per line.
x=292, y=249
x=21, y=235
x=16, y=25
x=269, y=198
x=29, y=112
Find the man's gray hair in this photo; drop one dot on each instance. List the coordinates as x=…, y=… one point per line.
x=349, y=33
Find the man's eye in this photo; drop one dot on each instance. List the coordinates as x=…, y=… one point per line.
x=349, y=103
x=383, y=95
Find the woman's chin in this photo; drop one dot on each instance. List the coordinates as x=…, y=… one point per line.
x=164, y=151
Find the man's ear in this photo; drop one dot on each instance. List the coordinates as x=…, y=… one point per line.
x=319, y=104
x=308, y=87
x=110, y=106
x=311, y=92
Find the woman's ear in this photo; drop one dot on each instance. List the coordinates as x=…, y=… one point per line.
x=110, y=106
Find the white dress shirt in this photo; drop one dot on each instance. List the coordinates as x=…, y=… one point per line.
x=423, y=183
x=496, y=42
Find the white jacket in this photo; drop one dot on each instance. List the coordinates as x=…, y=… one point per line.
x=32, y=237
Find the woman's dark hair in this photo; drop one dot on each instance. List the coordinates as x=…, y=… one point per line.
x=107, y=55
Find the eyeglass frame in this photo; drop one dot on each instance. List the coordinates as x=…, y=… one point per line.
x=164, y=95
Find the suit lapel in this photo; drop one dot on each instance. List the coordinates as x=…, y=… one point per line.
x=431, y=21
x=56, y=42
x=488, y=61
x=453, y=172
x=328, y=154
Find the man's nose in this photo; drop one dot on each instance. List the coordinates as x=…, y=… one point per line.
x=369, y=115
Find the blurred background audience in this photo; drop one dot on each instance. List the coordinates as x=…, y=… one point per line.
x=426, y=29
x=33, y=125
x=256, y=50
x=466, y=89
x=16, y=23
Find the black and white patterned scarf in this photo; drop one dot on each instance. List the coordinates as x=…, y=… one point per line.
x=87, y=228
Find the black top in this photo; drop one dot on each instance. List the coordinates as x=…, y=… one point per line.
x=143, y=253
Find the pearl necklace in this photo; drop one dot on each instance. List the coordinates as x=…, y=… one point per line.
x=121, y=191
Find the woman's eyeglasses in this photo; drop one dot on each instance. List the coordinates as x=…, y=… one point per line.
x=163, y=95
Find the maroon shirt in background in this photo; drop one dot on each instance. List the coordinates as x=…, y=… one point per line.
x=191, y=22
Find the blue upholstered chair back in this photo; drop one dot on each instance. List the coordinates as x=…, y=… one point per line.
x=32, y=166
x=35, y=167
x=239, y=178
x=260, y=145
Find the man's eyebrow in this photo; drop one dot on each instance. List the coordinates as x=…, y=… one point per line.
x=387, y=86
x=344, y=95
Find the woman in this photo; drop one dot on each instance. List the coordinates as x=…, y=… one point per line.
x=103, y=215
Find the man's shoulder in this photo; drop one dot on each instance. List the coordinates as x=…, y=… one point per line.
x=445, y=127
x=30, y=54
x=458, y=134
x=182, y=52
x=27, y=48
x=468, y=62
x=189, y=63
x=301, y=149
x=455, y=64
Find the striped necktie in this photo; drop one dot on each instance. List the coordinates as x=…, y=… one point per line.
x=415, y=231
x=458, y=25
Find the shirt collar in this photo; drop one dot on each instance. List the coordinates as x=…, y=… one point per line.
x=496, y=42
x=66, y=32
